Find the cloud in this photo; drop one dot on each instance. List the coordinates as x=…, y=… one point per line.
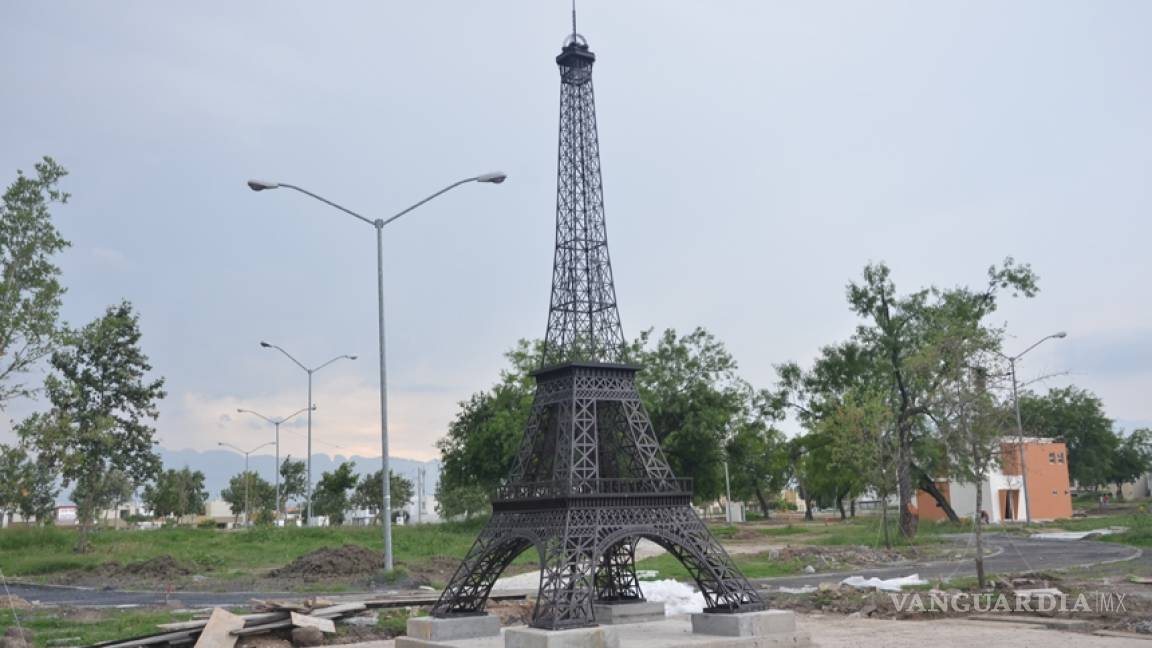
x=346, y=420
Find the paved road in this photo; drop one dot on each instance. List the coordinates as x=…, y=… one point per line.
x=1011, y=554
x=1014, y=554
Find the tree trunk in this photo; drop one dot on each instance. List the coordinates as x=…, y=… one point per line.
x=884, y=520
x=908, y=520
x=840, y=505
x=978, y=524
x=763, y=501
x=808, y=509
x=852, y=507
x=929, y=486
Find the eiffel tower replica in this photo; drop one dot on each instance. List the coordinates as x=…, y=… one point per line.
x=590, y=479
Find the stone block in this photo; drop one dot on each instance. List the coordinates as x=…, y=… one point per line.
x=448, y=628
x=744, y=624
x=617, y=613
x=596, y=637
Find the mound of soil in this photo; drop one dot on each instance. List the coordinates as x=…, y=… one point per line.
x=160, y=567
x=349, y=560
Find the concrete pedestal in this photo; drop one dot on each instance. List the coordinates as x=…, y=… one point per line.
x=766, y=627
x=597, y=637
x=432, y=629
x=617, y=613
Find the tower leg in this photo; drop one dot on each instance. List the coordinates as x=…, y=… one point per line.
x=567, y=572
x=725, y=589
x=468, y=590
x=616, y=574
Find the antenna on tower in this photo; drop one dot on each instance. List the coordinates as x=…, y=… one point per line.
x=573, y=16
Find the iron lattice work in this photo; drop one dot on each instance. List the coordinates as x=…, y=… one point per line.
x=590, y=479
x=583, y=321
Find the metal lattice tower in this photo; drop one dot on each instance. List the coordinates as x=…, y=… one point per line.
x=590, y=479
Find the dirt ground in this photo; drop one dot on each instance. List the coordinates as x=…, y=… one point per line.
x=844, y=632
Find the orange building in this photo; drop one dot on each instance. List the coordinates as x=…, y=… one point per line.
x=1049, y=490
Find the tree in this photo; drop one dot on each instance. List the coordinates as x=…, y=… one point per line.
x=1132, y=459
x=466, y=501
x=693, y=396
x=38, y=491
x=922, y=340
x=177, y=493
x=103, y=492
x=102, y=403
x=30, y=290
x=369, y=492
x=331, y=495
x=249, y=494
x=12, y=460
x=292, y=482
x=758, y=462
x=1076, y=417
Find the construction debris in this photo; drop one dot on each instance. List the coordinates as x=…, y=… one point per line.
x=303, y=620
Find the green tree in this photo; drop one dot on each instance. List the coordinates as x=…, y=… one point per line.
x=12, y=461
x=369, y=492
x=249, y=493
x=922, y=341
x=466, y=501
x=103, y=493
x=758, y=456
x=292, y=482
x=693, y=395
x=102, y=403
x=38, y=491
x=331, y=496
x=30, y=290
x=1132, y=459
x=177, y=493
x=1076, y=417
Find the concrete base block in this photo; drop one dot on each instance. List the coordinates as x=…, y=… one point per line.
x=745, y=624
x=463, y=627
x=617, y=613
x=597, y=637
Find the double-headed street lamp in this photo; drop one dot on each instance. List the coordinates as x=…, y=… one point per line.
x=277, y=423
x=247, y=477
x=379, y=223
x=1020, y=422
x=309, y=409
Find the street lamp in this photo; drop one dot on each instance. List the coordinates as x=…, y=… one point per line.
x=247, y=477
x=495, y=177
x=277, y=423
x=1020, y=422
x=309, y=409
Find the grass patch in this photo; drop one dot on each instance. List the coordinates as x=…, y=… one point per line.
x=36, y=552
x=1139, y=525
x=82, y=628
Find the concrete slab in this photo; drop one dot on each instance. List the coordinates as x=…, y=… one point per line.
x=598, y=637
x=617, y=613
x=745, y=624
x=445, y=629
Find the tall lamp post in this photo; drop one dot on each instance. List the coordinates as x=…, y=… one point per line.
x=379, y=223
x=1020, y=421
x=247, y=477
x=277, y=423
x=309, y=409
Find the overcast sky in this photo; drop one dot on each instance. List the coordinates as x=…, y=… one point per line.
x=756, y=156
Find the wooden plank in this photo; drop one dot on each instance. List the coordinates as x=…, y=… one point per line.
x=339, y=610
x=305, y=621
x=218, y=632
x=149, y=640
x=257, y=629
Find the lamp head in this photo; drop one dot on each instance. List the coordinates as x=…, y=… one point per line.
x=265, y=344
x=496, y=177
x=261, y=185
x=351, y=357
x=1061, y=334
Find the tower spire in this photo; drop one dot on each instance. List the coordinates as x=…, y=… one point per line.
x=583, y=321
x=573, y=16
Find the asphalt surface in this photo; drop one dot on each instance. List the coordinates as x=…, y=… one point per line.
x=1011, y=554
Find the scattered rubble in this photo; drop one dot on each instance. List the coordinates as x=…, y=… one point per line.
x=160, y=568
x=9, y=602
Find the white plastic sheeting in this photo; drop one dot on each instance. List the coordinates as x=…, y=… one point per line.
x=883, y=584
x=677, y=597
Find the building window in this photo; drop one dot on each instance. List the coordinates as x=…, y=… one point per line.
x=1051, y=457
x=1060, y=458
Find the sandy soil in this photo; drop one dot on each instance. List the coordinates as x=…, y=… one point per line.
x=842, y=632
